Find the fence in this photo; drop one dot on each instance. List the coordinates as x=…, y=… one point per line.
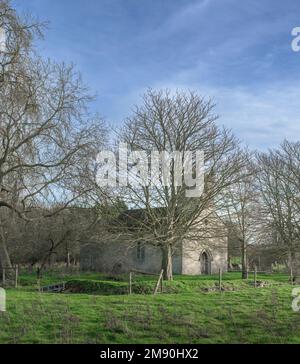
x=159, y=283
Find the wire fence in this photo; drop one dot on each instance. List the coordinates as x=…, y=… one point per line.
x=158, y=285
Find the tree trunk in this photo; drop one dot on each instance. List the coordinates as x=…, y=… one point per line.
x=229, y=265
x=4, y=256
x=5, y=260
x=167, y=265
x=244, y=259
x=295, y=266
x=68, y=260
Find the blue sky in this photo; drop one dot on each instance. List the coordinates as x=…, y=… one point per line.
x=237, y=52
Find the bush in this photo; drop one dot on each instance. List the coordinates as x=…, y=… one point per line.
x=96, y=287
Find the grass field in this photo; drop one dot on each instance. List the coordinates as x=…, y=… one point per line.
x=193, y=311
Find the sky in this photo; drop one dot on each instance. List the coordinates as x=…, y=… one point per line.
x=236, y=52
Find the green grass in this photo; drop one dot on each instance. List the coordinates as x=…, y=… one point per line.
x=190, y=313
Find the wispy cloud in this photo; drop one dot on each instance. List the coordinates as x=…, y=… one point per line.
x=237, y=52
x=260, y=117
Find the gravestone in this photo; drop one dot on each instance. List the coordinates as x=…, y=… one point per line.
x=2, y=300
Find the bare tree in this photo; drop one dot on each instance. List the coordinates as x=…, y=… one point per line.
x=280, y=189
x=240, y=205
x=164, y=214
x=48, y=139
x=17, y=34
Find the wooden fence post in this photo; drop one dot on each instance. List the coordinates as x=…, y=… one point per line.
x=220, y=279
x=255, y=277
x=130, y=282
x=158, y=282
x=16, y=276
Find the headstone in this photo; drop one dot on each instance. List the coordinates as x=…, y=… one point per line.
x=2, y=300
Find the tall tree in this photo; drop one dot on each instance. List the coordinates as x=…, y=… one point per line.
x=240, y=205
x=47, y=136
x=279, y=183
x=172, y=123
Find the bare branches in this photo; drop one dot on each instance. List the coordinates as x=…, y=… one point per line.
x=180, y=122
x=48, y=140
x=280, y=190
